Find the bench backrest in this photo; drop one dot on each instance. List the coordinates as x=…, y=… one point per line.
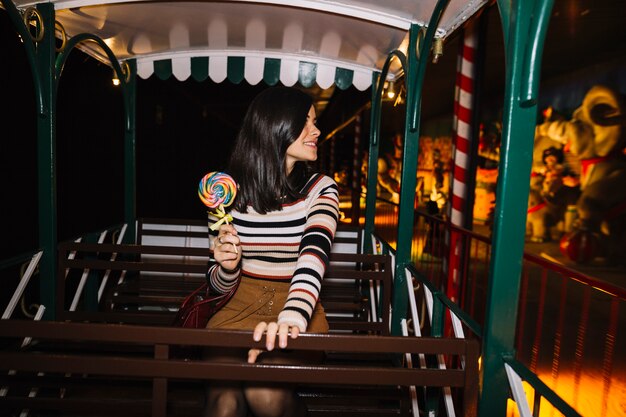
x=157, y=278
x=144, y=353
x=195, y=234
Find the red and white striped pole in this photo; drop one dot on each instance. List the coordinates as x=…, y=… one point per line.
x=462, y=123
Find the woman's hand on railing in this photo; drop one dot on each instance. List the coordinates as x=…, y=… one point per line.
x=272, y=329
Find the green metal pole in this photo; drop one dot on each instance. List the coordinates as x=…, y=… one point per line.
x=130, y=176
x=408, y=182
x=46, y=163
x=526, y=22
x=416, y=70
x=372, y=167
x=378, y=84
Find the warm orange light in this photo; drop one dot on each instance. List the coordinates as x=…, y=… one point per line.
x=547, y=113
x=587, y=399
x=391, y=92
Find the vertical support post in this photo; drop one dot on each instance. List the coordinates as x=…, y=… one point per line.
x=479, y=69
x=130, y=158
x=408, y=183
x=463, y=139
x=372, y=167
x=524, y=24
x=356, y=172
x=46, y=162
x=418, y=52
x=438, y=320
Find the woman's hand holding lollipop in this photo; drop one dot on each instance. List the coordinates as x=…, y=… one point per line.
x=217, y=190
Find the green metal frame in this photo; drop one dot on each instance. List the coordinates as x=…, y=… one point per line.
x=130, y=153
x=414, y=66
x=46, y=162
x=524, y=23
x=540, y=387
x=41, y=59
x=46, y=71
x=378, y=84
x=419, y=51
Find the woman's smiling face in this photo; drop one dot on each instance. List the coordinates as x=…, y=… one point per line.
x=305, y=147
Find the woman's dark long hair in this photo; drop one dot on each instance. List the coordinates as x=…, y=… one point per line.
x=275, y=119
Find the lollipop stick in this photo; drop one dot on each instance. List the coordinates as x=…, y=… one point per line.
x=226, y=219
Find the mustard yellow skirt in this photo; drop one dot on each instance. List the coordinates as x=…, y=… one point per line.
x=256, y=301
x=260, y=300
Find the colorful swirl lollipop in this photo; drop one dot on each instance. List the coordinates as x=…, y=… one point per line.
x=217, y=190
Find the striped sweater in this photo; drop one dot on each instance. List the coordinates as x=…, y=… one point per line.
x=292, y=244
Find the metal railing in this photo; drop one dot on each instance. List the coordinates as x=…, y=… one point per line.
x=104, y=262
x=158, y=366
x=429, y=308
x=568, y=322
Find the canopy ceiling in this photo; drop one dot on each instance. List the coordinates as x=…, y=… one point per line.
x=341, y=42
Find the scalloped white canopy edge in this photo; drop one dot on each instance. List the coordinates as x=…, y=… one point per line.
x=353, y=35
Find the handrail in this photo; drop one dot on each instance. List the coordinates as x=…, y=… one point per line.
x=158, y=363
x=462, y=315
x=98, y=232
x=113, y=257
x=24, y=280
x=465, y=318
x=550, y=272
x=385, y=244
x=85, y=275
x=117, y=226
x=571, y=273
x=578, y=276
x=132, y=334
x=539, y=386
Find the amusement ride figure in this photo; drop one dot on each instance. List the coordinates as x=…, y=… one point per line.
x=555, y=174
x=553, y=188
x=390, y=171
x=284, y=221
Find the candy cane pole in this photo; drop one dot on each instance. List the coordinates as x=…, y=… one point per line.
x=462, y=139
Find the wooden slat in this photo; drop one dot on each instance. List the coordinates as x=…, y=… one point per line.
x=352, y=359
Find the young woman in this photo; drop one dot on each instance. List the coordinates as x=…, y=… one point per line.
x=277, y=247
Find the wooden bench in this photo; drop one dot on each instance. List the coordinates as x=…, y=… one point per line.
x=176, y=271
x=344, y=296
x=106, y=369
